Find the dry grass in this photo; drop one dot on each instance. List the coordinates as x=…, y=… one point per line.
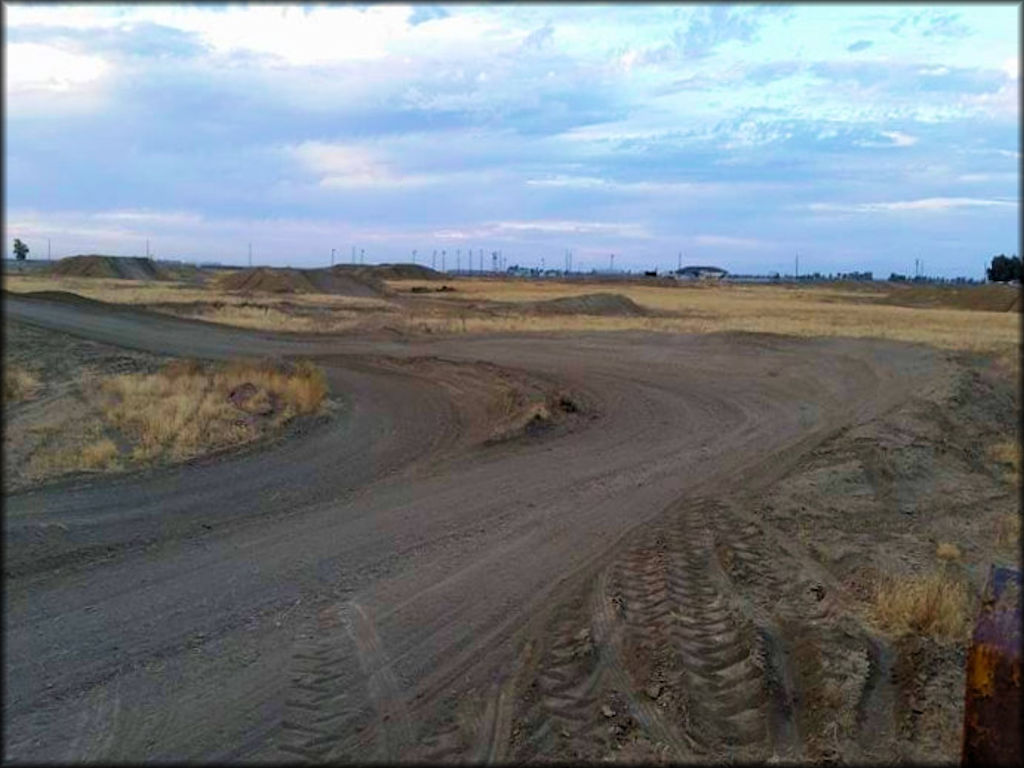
x=702, y=309
x=935, y=604
x=144, y=292
x=696, y=308
x=98, y=455
x=1009, y=455
x=186, y=409
x=269, y=317
x=947, y=551
x=19, y=384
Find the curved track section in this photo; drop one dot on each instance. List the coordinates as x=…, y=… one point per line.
x=389, y=587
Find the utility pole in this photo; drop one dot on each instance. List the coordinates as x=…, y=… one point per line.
x=250, y=255
x=611, y=262
x=413, y=255
x=332, y=257
x=798, y=266
x=433, y=260
x=48, y=249
x=458, y=260
x=443, y=254
x=362, y=255
x=353, y=254
x=147, y=247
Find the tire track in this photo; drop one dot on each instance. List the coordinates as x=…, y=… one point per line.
x=717, y=648
x=344, y=700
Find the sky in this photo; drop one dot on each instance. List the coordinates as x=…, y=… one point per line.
x=861, y=137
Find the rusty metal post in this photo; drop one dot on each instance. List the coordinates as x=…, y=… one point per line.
x=992, y=724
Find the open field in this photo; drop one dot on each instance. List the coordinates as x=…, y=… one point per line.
x=679, y=541
x=489, y=306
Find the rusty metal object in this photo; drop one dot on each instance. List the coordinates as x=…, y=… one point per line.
x=992, y=700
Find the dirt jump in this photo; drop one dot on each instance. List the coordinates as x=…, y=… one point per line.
x=333, y=281
x=111, y=267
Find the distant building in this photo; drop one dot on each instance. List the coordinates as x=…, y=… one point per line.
x=702, y=273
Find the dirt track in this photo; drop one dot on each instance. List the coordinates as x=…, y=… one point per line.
x=386, y=587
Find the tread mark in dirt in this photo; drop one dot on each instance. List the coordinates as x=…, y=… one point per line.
x=328, y=714
x=726, y=686
x=566, y=690
x=98, y=725
x=396, y=728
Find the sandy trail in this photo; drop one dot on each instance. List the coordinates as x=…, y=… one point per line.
x=385, y=587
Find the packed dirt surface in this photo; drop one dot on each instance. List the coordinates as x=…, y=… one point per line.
x=335, y=280
x=608, y=304
x=675, y=562
x=116, y=267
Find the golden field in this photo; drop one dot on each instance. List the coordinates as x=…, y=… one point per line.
x=479, y=305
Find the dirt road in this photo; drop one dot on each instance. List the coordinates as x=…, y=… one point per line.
x=388, y=587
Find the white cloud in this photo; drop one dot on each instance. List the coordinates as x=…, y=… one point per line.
x=1012, y=68
x=37, y=67
x=928, y=204
x=350, y=166
x=292, y=34
x=731, y=242
x=971, y=178
x=895, y=139
x=506, y=229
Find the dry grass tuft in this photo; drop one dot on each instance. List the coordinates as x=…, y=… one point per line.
x=934, y=604
x=186, y=409
x=1009, y=455
x=19, y=384
x=98, y=455
x=947, y=551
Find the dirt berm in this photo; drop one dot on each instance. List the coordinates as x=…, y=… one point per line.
x=333, y=280
x=589, y=304
x=391, y=271
x=116, y=267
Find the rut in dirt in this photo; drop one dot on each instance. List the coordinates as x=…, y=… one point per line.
x=701, y=641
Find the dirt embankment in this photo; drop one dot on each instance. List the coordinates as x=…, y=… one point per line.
x=334, y=281
x=111, y=267
x=985, y=298
x=602, y=304
x=391, y=271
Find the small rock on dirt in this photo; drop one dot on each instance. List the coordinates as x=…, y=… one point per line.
x=654, y=690
x=607, y=711
x=242, y=393
x=583, y=634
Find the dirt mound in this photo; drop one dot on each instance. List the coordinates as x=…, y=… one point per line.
x=334, y=280
x=389, y=271
x=984, y=298
x=588, y=304
x=403, y=272
x=116, y=267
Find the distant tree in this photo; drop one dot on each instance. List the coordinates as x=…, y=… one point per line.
x=1004, y=269
x=20, y=250
x=895, y=278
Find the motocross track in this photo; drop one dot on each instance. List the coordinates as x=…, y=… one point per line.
x=390, y=585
